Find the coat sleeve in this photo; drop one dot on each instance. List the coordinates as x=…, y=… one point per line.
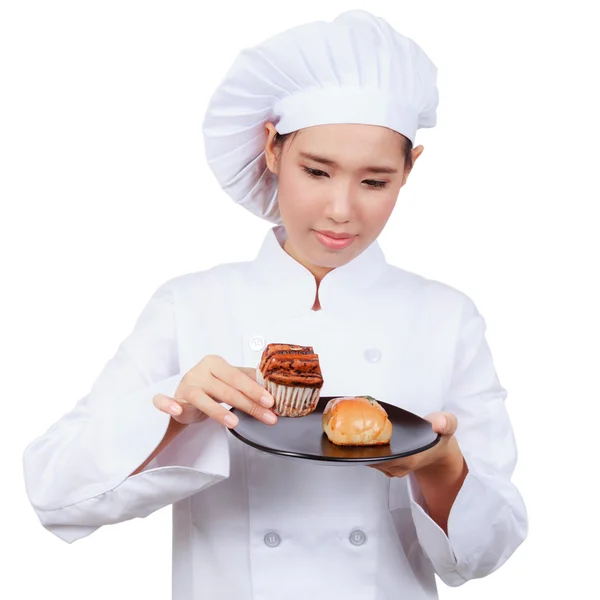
x=77, y=474
x=488, y=519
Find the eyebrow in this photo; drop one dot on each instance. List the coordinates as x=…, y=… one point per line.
x=332, y=163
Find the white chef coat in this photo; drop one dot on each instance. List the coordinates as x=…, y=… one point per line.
x=253, y=526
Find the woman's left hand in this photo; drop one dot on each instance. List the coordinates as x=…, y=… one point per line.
x=442, y=453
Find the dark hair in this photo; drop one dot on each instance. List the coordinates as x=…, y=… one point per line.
x=280, y=140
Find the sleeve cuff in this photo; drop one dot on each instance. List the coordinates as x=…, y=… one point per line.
x=201, y=446
x=115, y=442
x=110, y=449
x=486, y=523
x=129, y=431
x=431, y=536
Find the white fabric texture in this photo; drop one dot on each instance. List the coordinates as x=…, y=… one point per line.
x=228, y=498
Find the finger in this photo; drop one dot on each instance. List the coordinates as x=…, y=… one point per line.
x=243, y=380
x=451, y=423
x=248, y=371
x=181, y=410
x=444, y=423
x=217, y=389
x=266, y=398
x=167, y=405
x=204, y=403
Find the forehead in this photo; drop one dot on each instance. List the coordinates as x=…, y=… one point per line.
x=348, y=141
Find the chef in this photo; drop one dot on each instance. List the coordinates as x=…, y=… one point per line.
x=312, y=130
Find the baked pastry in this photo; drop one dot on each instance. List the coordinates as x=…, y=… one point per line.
x=292, y=375
x=356, y=421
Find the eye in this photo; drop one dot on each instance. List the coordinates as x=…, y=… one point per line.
x=317, y=174
x=314, y=172
x=375, y=184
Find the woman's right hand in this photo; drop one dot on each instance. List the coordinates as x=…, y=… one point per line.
x=213, y=381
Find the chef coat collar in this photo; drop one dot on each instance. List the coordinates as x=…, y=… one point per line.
x=294, y=287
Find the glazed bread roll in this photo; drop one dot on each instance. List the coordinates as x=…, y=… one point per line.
x=356, y=421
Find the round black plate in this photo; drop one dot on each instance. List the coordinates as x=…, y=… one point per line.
x=303, y=437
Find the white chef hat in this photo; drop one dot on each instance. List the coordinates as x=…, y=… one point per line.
x=354, y=69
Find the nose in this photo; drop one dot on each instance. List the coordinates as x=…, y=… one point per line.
x=340, y=203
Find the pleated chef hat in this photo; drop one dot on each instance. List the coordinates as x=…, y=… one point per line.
x=354, y=69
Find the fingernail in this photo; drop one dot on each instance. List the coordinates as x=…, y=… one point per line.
x=175, y=409
x=267, y=401
x=444, y=423
x=269, y=417
x=231, y=420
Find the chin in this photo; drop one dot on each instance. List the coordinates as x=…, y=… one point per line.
x=332, y=260
x=332, y=263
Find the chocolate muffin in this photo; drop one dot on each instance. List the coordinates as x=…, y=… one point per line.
x=292, y=375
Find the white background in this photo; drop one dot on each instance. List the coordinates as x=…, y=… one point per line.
x=105, y=195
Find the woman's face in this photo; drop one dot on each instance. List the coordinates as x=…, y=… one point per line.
x=340, y=179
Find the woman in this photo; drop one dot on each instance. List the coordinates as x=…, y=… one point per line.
x=312, y=130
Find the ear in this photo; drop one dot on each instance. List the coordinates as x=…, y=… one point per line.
x=271, y=150
x=416, y=152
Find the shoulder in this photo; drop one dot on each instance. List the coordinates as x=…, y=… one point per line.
x=424, y=289
x=213, y=278
x=432, y=305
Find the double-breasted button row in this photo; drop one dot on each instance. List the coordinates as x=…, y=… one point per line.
x=356, y=537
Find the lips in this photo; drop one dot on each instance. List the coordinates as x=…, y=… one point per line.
x=335, y=236
x=334, y=243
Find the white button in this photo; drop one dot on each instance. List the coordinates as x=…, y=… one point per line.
x=372, y=354
x=358, y=537
x=272, y=539
x=257, y=343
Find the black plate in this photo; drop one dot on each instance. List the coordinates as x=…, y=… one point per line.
x=303, y=437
